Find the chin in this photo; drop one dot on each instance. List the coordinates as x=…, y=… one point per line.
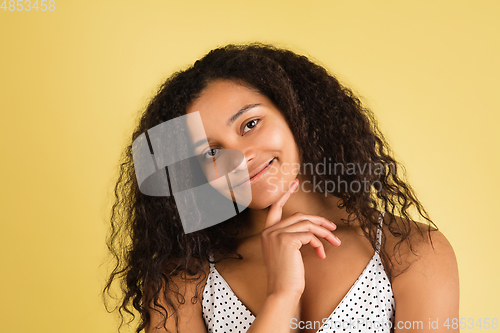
x=260, y=204
x=267, y=191
x=263, y=198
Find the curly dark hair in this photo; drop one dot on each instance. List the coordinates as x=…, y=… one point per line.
x=147, y=240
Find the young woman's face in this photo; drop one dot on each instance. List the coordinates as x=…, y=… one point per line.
x=237, y=117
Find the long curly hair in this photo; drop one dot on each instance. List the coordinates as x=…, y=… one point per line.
x=146, y=238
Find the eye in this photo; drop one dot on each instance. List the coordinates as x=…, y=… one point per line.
x=251, y=124
x=210, y=153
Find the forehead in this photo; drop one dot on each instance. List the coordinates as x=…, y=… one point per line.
x=223, y=97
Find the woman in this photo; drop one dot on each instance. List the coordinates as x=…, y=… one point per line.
x=344, y=255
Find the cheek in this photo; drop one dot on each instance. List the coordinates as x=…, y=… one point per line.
x=271, y=138
x=282, y=142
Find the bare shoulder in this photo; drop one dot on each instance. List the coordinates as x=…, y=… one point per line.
x=424, y=247
x=185, y=299
x=425, y=279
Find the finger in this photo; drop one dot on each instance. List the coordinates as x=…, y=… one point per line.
x=318, y=231
x=304, y=238
x=313, y=218
x=276, y=209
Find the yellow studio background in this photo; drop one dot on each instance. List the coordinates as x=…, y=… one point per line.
x=72, y=80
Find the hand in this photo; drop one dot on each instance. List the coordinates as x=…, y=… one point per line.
x=281, y=243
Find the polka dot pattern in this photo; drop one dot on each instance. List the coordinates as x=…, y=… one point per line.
x=367, y=307
x=222, y=310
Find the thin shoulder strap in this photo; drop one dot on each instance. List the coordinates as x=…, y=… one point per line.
x=211, y=257
x=379, y=230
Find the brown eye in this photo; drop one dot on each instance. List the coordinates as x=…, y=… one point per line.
x=251, y=124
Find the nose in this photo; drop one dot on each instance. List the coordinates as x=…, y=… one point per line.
x=231, y=160
x=240, y=161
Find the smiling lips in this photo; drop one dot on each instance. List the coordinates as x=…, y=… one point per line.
x=257, y=173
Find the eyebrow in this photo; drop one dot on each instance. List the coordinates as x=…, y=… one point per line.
x=240, y=112
x=231, y=120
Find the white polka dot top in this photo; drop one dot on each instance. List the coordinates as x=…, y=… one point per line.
x=368, y=306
